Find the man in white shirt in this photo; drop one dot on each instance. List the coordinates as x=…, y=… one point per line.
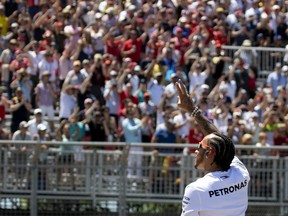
x=33, y=123
x=156, y=89
x=224, y=188
x=171, y=92
x=76, y=76
x=48, y=63
x=182, y=123
x=196, y=77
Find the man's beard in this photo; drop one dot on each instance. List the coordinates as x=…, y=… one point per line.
x=199, y=159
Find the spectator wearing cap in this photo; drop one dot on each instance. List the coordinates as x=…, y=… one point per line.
x=127, y=90
x=240, y=31
x=197, y=76
x=76, y=76
x=109, y=18
x=4, y=132
x=248, y=56
x=35, y=56
x=184, y=25
x=22, y=134
x=20, y=109
x=182, y=124
x=23, y=81
x=98, y=128
x=147, y=105
x=263, y=26
x=112, y=98
x=34, y=122
x=14, y=32
x=180, y=43
x=132, y=47
x=6, y=57
x=136, y=77
x=132, y=132
x=171, y=92
x=41, y=154
x=48, y=63
x=89, y=107
x=203, y=29
x=275, y=79
x=155, y=88
x=68, y=100
x=275, y=17
x=46, y=94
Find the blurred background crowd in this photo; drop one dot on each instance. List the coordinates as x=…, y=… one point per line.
x=105, y=70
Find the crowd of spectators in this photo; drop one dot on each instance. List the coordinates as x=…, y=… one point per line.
x=109, y=67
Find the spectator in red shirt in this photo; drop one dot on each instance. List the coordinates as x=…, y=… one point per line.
x=181, y=43
x=132, y=47
x=128, y=91
x=112, y=43
x=204, y=30
x=220, y=35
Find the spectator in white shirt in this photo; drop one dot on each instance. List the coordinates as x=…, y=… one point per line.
x=48, y=63
x=35, y=56
x=171, y=91
x=196, y=77
x=156, y=89
x=147, y=105
x=68, y=100
x=33, y=123
x=46, y=93
x=76, y=76
x=182, y=123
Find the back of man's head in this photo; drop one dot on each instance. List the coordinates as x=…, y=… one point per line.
x=225, y=150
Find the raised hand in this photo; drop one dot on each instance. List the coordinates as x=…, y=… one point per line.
x=184, y=100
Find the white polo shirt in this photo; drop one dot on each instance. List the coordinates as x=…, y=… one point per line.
x=218, y=193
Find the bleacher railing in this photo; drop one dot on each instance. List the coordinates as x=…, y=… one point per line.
x=263, y=58
x=94, y=179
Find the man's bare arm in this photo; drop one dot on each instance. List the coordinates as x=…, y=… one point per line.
x=205, y=125
x=185, y=103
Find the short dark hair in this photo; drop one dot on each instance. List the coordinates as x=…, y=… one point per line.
x=225, y=150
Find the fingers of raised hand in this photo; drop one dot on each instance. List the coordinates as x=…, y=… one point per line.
x=181, y=88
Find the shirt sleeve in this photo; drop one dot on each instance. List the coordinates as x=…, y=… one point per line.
x=191, y=202
x=237, y=163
